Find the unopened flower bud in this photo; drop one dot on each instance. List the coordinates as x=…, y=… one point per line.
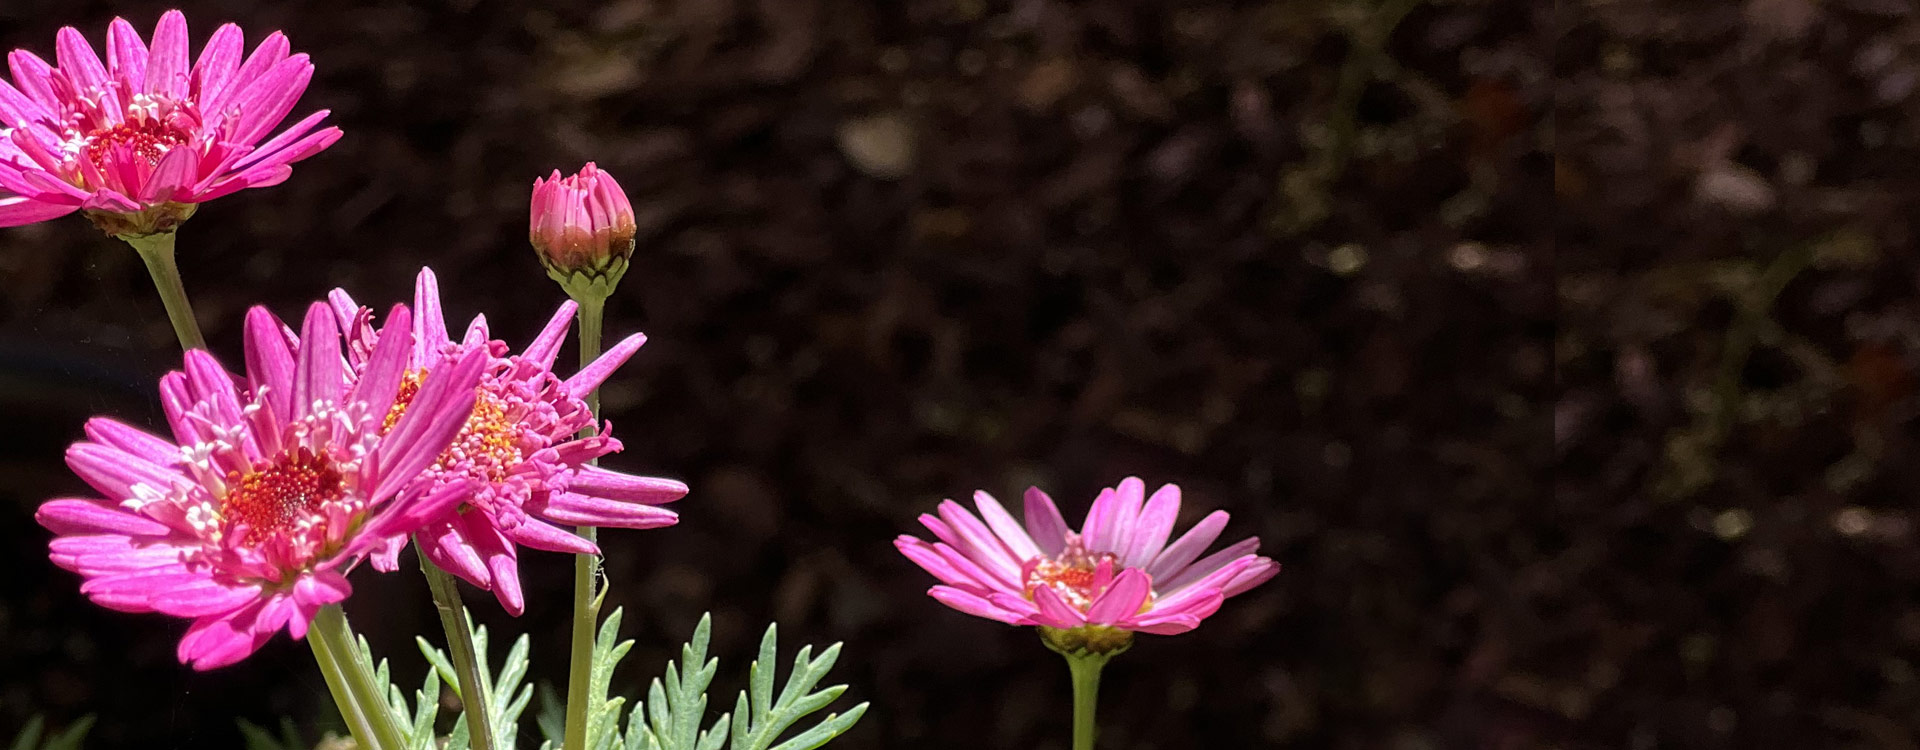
x=582, y=228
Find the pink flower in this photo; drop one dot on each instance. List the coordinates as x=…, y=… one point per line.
x=149, y=127
x=581, y=225
x=248, y=519
x=517, y=456
x=1118, y=571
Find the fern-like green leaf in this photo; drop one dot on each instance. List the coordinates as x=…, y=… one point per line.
x=760, y=718
x=508, y=694
x=673, y=709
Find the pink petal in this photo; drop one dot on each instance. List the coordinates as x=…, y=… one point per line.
x=1117, y=531
x=217, y=62
x=265, y=101
x=546, y=346
x=1005, y=527
x=386, y=367
x=1210, y=564
x=167, y=69
x=930, y=560
x=542, y=536
x=591, y=376
x=1154, y=526
x=20, y=211
x=270, y=361
x=76, y=516
x=975, y=605
x=1055, y=613
x=114, y=472
x=1000, y=569
x=1169, y=625
x=429, y=323
x=77, y=59
x=318, y=373
x=584, y=510
x=447, y=549
x=320, y=589
x=1188, y=547
x=1254, y=575
x=1044, y=525
x=439, y=409
x=1122, y=599
x=977, y=540
x=203, y=598
x=132, y=440
x=613, y=485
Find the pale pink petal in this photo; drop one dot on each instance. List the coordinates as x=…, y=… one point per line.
x=1005, y=527
x=1155, y=525
x=1055, y=613
x=1209, y=564
x=1044, y=524
x=975, y=605
x=1188, y=547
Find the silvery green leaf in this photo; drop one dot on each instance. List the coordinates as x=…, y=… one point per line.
x=760, y=718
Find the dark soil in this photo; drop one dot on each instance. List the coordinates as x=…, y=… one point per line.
x=1292, y=256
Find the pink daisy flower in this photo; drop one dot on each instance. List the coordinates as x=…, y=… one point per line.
x=248, y=518
x=150, y=126
x=523, y=470
x=1118, y=571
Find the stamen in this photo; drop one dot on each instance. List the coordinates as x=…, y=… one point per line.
x=274, y=499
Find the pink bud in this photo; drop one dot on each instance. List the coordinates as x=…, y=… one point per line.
x=582, y=226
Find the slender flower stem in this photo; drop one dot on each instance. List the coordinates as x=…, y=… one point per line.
x=1086, y=693
x=474, y=699
x=340, y=653
x=586, y=602
x=335, y=673
x=157, y=251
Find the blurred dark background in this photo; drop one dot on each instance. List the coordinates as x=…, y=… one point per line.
x=1292, y=256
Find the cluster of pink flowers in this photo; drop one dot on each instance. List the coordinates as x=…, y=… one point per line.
x=342, y=441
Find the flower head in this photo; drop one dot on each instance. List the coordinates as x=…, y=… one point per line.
x=1118, y=572
x=520, y=465
x=248, y=518
x=140, y=139
x=582, y=228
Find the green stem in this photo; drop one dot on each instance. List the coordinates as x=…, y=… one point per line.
x=586, y=602
x=336, y=642
x=335, y=674
x=474, y=698
x=157, y=251
x=1086, y=693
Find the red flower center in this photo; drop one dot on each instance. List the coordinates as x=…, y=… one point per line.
x=270, y=500
x=146, y=138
